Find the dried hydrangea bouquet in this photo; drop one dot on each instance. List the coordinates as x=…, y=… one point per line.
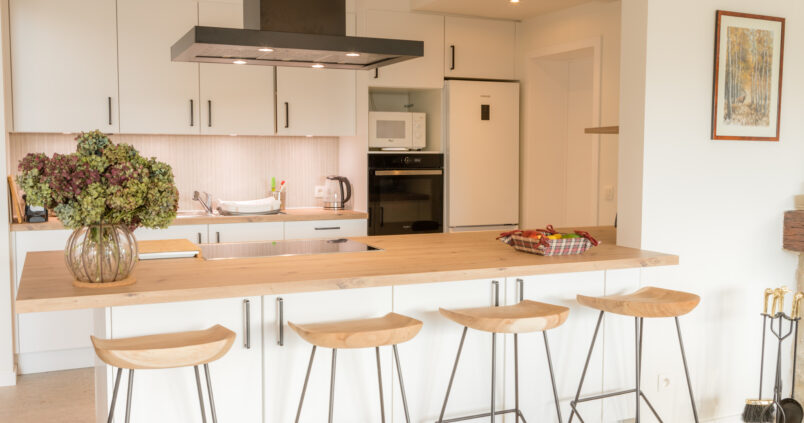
x=103, y=192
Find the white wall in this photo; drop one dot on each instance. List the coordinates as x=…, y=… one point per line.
x=599, y=21
x=717, y=204
x=7, y=368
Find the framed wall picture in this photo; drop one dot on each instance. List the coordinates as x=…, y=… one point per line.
x=749, y=54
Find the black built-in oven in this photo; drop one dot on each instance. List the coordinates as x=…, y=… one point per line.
x=406, y=193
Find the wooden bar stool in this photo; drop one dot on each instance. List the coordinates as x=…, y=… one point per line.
x=523, y=317
x=165, y=351
x=391, y=329
x=648, y=302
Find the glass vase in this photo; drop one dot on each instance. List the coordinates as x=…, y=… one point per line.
x=101, y=253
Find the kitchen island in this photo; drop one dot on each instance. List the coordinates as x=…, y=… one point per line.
x=260, y=379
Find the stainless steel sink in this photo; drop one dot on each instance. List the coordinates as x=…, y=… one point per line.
x=231, y=250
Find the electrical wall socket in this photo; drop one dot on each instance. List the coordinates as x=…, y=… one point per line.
x=608, y=191
x=319, y=191
x=663, y=382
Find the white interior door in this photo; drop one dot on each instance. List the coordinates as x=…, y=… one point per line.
x=234, y=99
x=157, y=95
x=64, y=65
x=483, y=153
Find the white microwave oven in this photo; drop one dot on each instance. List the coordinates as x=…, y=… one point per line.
x=397, y=130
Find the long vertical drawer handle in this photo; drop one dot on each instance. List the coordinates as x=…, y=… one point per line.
x=110, y=110
x=209, y=113
x=495, y=285
x=287, y=115
x=452, y=65
x=520, y=284
x=199, y=237
x=328, y=228
x=192, y=113
x=280, y=321
x=247, y=323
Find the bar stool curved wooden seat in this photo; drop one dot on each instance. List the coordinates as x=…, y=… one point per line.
x=524, y=317
x=391, y=329
x=165, y=351
x=648, y=302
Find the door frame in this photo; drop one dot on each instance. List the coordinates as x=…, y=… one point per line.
x=595, y=44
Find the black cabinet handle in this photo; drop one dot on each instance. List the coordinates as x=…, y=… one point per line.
x=452, y=65
x=110, y=110
x=287, y=115
x=209, y=113
x=382, y=216
x=376, y=73
x=328, y=228
x=192, y=113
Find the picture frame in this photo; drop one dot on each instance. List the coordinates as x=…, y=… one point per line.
x=749, y=59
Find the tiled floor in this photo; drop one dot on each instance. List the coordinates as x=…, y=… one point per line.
x=65, y=397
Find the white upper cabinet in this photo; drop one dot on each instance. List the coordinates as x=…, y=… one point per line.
x=157, y=95
x=422, y=72
x=64, y=65
x=315, y=101
x=479, y=48
x=234, y=99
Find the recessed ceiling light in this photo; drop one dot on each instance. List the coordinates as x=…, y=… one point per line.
x=239, y=62
x=266, y=49
x=318, y=66
x=353, y=54
x=514, y=1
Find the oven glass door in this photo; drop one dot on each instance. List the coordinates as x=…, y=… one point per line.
x=406, y=201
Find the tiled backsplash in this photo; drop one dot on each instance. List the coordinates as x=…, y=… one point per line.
x=230, y=168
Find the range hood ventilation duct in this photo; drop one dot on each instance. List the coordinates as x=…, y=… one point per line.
x=300, y=33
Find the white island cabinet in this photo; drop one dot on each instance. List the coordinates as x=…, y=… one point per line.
x=356, y=385
x=427, y=360
x=64, y=65
x=171, y=395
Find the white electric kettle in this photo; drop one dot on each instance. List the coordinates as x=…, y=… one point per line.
x=337, y=191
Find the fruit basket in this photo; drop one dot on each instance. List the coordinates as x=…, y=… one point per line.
x=549, y=242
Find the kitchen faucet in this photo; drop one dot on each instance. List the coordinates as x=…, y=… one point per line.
x=205, y=201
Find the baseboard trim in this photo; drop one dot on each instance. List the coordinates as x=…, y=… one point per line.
x=8, y=378
x=51, y=361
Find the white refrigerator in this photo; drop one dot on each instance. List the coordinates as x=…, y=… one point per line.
x=482, y=149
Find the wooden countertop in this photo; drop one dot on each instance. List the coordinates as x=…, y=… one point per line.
x=289, y=215
x=406, y=259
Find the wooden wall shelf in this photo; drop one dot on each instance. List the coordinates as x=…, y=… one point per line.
x=603, y=130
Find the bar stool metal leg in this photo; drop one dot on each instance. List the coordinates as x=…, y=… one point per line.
x=209, y=392
x=379, y=378
x=200, y=395
x=401, y=384
x=516, y=377
x=585, y=368
x=638, y=360
x=332, y=385
x=493, y=371
x=452, y=377
x=304, y=387
x=128, y=394
x=552, y=376
x=114, y=394
x=686, y=371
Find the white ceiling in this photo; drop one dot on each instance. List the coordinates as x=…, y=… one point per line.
x=500, y=9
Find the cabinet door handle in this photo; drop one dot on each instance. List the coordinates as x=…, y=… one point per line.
x=520, y=285
x=280, y=322
x=287, y=115
x=495, y=289
x=110, y=110
x=328, y=228
x=452, y=64
x=199, y=237
x=218, y=237
x=247, y=324
x=209, y=113
x=192, y=113
x=382, y=217
x=376, y=73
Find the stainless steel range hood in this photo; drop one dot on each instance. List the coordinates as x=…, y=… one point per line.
x=300, y=33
